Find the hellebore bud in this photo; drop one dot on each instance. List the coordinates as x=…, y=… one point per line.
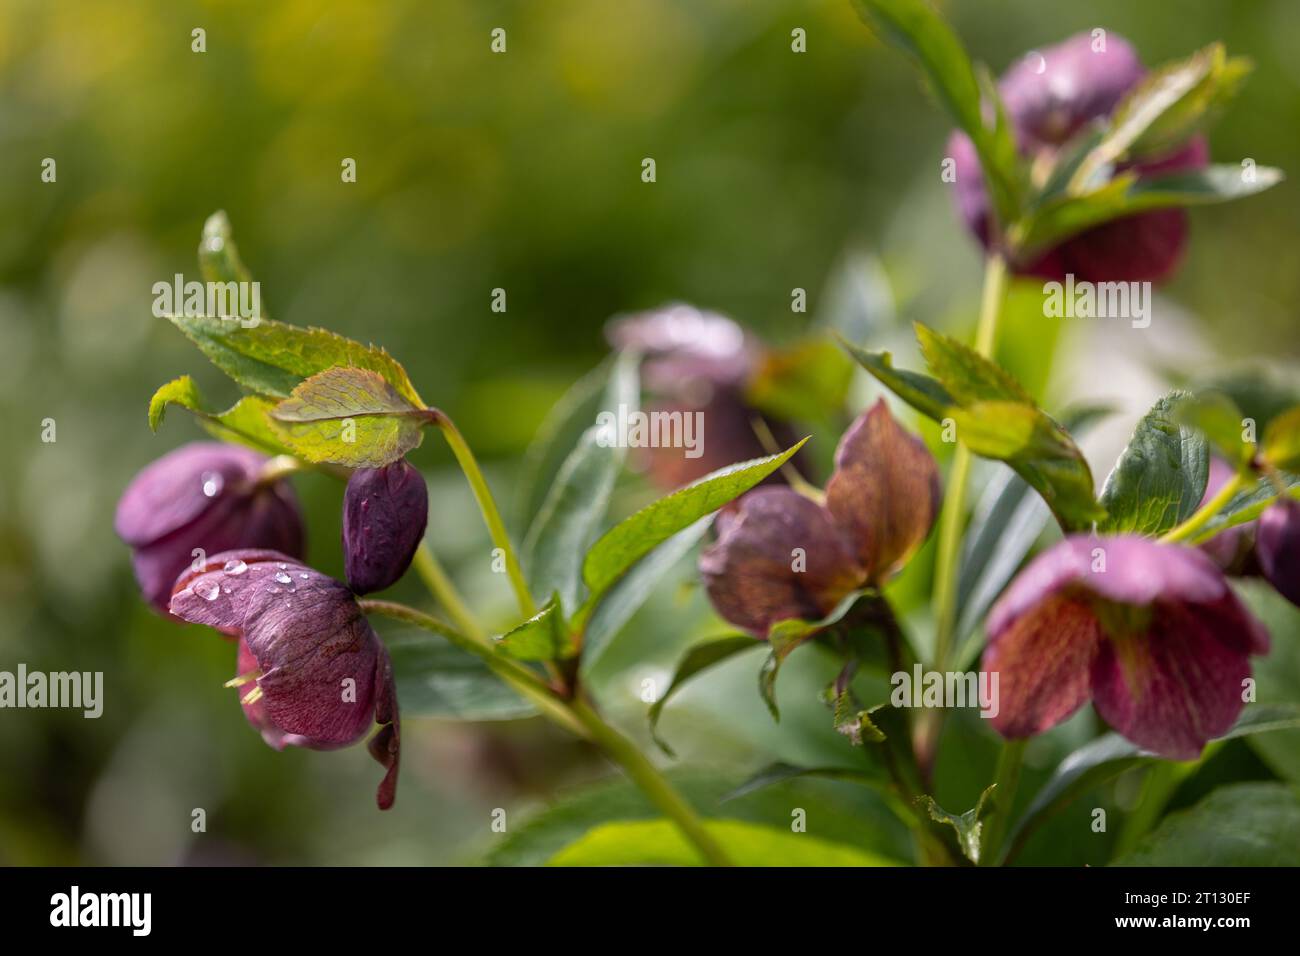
x=385, y=511
x=203, y=496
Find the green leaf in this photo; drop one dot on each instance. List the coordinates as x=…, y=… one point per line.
x=1282, y=440
x=912, y=26
x=219, y=259
x=273, y=358
x=855, y=722
x=1128, y=194
x=349, y=416
x=1110, y=755
x=1167, y=107
x=1248, y=504
x=1217, y=417
x=1243, y=824
x=784, y=636
x=968, y=825
x=435, y=679
x=697, y=658
x=559, y=433
x=633, y=538
x=660, y=843
x=244, y=423
x=574, y=507
x=994, y=419
x=1159, y=479
x=543, y=637
x=616, y=607
x=808, y=381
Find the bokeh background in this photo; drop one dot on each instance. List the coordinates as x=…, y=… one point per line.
x=775, y=170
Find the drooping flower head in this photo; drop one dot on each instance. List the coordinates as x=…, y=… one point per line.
x=204, y=497
x=1277, y=545
x=701, y=362
x=1048, y=98
x=1151, y=632
x=385, y=511
x=311, y=671
x=781, y=555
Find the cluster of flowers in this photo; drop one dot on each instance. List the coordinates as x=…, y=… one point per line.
x=217, y=539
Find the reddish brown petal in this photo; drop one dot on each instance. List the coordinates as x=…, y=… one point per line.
x=1042, y=660
x=1178, y=684
x=884, y=493
x=386, y=745
x=750, y=572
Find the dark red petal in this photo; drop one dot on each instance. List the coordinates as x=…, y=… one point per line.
x=1278, y=547
x=385, y=511
x=884, y=493
x=750, y=571
x=386, y=745
x=1042, y=659
x=1180, y=682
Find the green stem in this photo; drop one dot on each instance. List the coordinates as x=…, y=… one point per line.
x=574, y=715
x=488, y=506
x=444, y=592
x=1006, y=778
x=651, y=782
x=1207, y=511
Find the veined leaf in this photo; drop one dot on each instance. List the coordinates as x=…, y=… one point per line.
x=543, y=637
x=244, y=423
x=272, y=358
x=1160, y=477
x=995, y=419
x=633, y=538
x=914, y=27
x=1218, y=418
x=349, y=416
x=968, y=825
x=575, y=505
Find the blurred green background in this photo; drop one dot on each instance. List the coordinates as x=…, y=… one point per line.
x=775, y=170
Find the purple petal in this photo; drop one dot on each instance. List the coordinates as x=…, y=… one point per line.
x=1277, y=545
x=750, y=571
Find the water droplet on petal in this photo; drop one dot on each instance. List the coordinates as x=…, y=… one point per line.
x=235, y=566
x=283, y=566
x=304, y=576
x=272, y=590
x=212, y=483
x=208, y=590
x=283, y=578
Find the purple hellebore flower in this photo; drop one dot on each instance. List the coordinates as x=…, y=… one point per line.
x=1076, y=86
x=204, y=495
x=320, y=674
x=1151, y=632
x=781, y=555
x=1277, y=546
x=385, y=511
x=702, y=362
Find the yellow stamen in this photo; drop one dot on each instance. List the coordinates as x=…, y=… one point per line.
x=243, y=679
x=253, y=696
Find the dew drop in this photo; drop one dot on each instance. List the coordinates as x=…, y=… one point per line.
x=304, y=576
x=283, y=578
x=212, y=483
x=235, y=566
x=208, y=590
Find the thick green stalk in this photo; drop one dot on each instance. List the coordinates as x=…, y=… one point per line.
x=1202, y=515
x=444, y=592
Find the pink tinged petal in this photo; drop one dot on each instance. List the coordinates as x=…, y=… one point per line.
x=749, y=572
x=1278, y=547
x=1178, y=683
x=1230, y=549
x=884, y=493
x=1042, y=659
x=246, y=663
